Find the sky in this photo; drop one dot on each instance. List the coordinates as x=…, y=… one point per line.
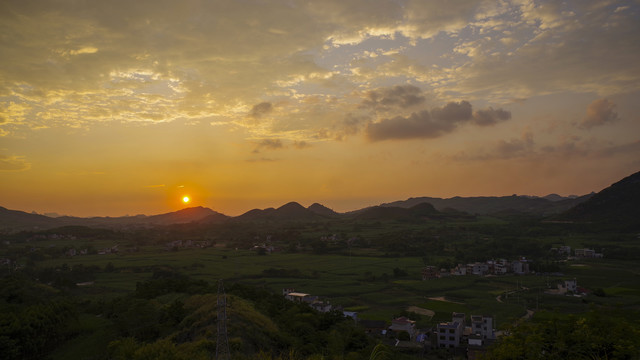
x=111, y=108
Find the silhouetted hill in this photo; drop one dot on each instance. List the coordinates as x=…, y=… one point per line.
x=20, y=220
x=485, y=205
x=288, y=212
x=183, y=216
x=322, y=210
x=420, y=211
x=618, y=205
x=13, y=220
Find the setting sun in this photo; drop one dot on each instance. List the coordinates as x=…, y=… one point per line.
x=186, y=199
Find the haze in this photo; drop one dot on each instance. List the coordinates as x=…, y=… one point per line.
x=125, y=107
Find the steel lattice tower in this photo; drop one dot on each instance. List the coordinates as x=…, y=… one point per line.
x=222, y=346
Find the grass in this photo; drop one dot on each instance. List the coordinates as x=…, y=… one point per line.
x=366, y=283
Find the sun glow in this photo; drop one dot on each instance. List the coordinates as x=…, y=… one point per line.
x=186, y=199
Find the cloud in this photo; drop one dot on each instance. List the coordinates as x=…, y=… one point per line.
x=301, y=145
x=423, y=124
x=261, y=109
x=268, y=144
x=402, y=96
x=13, y=163
x=599, y=112
x=490, y=116
x=435, y=123
x=515, y=147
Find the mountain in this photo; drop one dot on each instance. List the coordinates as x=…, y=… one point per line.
x=419, y=211
x=184, y=216
x=617, y=205
x=322, y=210
x=288, y=212
x=14, y=220
x=486, y=205
x=20, y=220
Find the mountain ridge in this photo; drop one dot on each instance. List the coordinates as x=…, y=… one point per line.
x=604, y=204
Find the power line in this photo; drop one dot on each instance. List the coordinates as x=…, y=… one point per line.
x=222, y=346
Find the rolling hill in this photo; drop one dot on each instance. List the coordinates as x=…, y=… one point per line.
x=617, y=205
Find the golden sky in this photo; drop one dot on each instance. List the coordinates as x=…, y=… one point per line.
x=124, y=107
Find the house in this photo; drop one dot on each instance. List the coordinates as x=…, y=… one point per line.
x=404, y=324
x=459, y=270
x=429, y=272
x=520, y=266
x=478, y=268
x=321, y=306
x=374, y=327
x=571, y=285
x=482, y=325
x=500, y=268
x=300, y=297
x=351, y=314
x=449, y=334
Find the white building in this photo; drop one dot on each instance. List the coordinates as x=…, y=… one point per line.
x=449, y=334
x=482, y=325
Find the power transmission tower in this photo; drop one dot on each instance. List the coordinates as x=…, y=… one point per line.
x=222, y=346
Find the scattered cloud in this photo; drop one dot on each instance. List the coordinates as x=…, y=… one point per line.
x=301, y=144
x=260, y=110
x=268, y=144
x=515, y=148
x=599, y=112
x=13, y=163
x=434, y=123
x=490, y=116
x=402, y=96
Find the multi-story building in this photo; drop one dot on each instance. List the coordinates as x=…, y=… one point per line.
x=482, y=325
x=449, y=334
x=429, y=272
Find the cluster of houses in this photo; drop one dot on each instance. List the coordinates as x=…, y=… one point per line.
x=458, y=335
x=315, y=302
x=108, y=250
x=39, y=237
x=568, y=288
x=490, y=267
x=187, y=244
x=577, y=253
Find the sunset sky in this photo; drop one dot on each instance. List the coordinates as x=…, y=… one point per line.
x=110, y=108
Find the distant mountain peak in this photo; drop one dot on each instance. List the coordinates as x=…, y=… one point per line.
x=291, y=206
x=321, y=210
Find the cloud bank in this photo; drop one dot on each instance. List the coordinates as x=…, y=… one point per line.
x=434, y=123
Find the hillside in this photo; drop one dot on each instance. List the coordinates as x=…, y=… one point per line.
x=487, y=205
x=617, y=205
x=20, y=220
x=14, y=220
x=288, y=212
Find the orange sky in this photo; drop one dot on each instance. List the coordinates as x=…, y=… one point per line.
x=114, y=108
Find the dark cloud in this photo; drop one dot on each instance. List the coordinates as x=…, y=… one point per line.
x=301, y=144
x=259, y=110
x=423, y=124
x=515, y=147
x=435, y=123
x=599, y=112
x=268, y=144
x=350, y=125
x=490, y=116
x=402, y=96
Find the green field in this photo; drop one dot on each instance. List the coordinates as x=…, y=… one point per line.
x=367, y=283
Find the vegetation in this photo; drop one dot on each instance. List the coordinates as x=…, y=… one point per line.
x=85, y=293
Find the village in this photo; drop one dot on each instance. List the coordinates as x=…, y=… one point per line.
x=462, y=336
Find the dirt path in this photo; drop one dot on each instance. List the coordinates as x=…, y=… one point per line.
x=421, y=311
x=442, y=298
